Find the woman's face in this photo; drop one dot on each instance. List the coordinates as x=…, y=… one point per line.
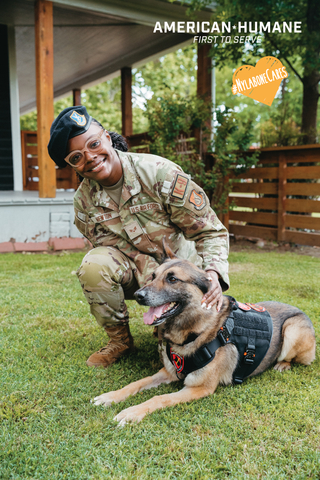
x=103, y=167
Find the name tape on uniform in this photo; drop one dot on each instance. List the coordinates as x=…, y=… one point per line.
x=105, y=216
x=144, y=207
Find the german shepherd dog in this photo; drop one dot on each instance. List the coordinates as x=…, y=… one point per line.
x=175, y=296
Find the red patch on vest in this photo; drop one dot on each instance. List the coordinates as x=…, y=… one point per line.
x=177, y=360
x=257, y=308
x=244, y=306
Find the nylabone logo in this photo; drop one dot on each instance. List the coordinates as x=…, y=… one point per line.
x=261, y=82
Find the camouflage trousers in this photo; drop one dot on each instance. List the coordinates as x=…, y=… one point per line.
x=107, y=279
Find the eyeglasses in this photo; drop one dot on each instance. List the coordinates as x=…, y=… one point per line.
x=76, y=158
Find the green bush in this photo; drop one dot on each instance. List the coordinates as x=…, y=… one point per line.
x=174, y=119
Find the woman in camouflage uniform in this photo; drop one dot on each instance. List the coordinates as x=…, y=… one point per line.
x=124, y=206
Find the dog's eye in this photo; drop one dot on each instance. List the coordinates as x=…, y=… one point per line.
x=172, y=279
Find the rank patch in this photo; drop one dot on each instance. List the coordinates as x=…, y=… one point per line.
x=133, y=230
x=79, y=119
x=180, y=186
x=197, y=199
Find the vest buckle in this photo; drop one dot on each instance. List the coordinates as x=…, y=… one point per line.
x=224, y=335
x=249, y=355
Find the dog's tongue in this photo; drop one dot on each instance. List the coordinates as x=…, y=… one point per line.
x=153, y=313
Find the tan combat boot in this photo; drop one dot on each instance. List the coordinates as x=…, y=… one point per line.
x=121, y=342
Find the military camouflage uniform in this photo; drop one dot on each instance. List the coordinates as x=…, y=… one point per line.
x=157, y=199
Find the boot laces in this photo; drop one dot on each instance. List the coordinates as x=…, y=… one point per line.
x=116, y=343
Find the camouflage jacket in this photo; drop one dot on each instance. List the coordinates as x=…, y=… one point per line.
x=157, y=199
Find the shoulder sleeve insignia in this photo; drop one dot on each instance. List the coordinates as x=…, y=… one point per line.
x=180, y=186
x=197, y=199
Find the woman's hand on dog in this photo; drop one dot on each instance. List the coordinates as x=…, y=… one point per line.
x=214, y=294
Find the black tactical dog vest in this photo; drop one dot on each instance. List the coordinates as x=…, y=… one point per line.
x=248, y=326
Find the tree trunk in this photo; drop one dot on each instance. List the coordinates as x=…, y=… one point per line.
x=309, y=107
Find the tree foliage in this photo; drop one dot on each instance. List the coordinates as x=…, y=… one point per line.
x=173, y=119
x=299, y=51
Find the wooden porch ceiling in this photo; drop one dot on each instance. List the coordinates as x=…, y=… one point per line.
x=93, y=39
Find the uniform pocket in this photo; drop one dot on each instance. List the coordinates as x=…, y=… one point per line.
x=81, y=226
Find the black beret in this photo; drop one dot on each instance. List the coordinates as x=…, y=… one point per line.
x=71, y=122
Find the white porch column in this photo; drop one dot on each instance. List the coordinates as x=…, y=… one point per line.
x=15, y=113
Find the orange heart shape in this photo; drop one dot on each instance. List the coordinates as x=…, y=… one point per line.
x=260, y=82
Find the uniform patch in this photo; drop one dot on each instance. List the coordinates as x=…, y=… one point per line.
x=257, y=308
x=243, y=306
x=197, y=199
x=82, y=216
x=166, y=187
x=177, y=360
x=133, y=230
x=180, y=186
x=250, y=306
x=145, y=207
x=79, y=119
x=105, y=216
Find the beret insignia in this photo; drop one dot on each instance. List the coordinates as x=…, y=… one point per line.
x=79, y=119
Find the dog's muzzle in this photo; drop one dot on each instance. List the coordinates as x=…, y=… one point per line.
x=140, y=295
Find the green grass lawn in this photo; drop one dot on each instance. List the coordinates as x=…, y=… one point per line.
x=267, y=428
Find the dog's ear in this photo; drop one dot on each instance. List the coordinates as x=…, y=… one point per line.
x=167, y=252
x=202, y=282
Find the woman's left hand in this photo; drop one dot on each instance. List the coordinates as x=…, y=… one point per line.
x=214, y=294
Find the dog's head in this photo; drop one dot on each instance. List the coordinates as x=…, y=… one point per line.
x=176, y=285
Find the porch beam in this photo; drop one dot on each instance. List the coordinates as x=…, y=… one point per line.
x=204, y=72
x=126, y=101
x=76, y=95
x=204, y=91
x=144, y=12
x=44, y=82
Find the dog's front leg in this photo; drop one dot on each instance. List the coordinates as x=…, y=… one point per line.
x=117, y=396
x=138, y=412
x=217, y=371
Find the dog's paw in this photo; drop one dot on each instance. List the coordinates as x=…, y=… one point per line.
x=106, y=399
x=130, y=415
x=281, y=366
